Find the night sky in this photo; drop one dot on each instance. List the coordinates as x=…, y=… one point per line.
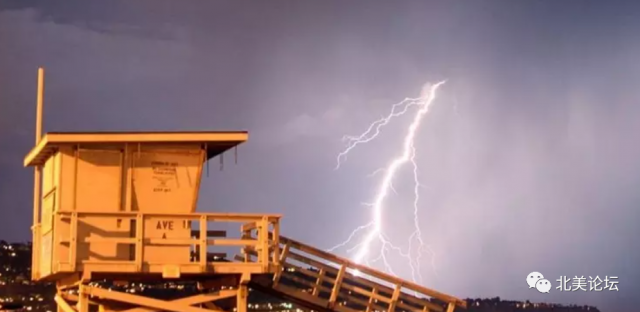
x=529, y=159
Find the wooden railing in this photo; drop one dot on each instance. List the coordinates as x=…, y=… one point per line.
x=298, y=271
x=199, y=242
x=332, y=282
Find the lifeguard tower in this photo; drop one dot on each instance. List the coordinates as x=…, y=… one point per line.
x=121, y=206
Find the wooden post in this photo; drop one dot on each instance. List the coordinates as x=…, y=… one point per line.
x=283, y=258
x=83, y=300
x=73, y=241
x=203, y=243
x=319, y=280
x=395, y=297
x=243, y=293
x=451, y=306
x=139, y=247
x=336, y=287
x=372, y=299
x=275, y=244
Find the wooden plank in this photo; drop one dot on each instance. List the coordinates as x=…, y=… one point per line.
x=232, y=242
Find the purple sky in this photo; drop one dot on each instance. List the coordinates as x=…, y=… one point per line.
x=530, y=157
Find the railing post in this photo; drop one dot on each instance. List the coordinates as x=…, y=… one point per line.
x=395, y=297
x=372, y=299
x=246, y=230
x=336, y=287
x=139, y=256
x=73, y=241
x=263, y=243
x=275, y=242
x=283, y=258
x=203, y=243
x=316, y=289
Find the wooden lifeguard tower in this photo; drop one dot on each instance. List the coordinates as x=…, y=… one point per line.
x=121, y=206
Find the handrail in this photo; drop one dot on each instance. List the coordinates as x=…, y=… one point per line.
x=329, y=275
x=372, y=272
x=211, y=216
x=200, y=241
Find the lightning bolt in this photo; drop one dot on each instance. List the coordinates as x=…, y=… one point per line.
x=374, y=229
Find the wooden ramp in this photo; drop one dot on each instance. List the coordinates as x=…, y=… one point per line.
x=321, y=281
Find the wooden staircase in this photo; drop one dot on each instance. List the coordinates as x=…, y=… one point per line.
x=321, y=281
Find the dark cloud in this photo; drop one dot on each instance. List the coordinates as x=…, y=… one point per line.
x=114, y=18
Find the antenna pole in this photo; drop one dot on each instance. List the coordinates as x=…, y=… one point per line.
x=40, y=97
x=37, y=174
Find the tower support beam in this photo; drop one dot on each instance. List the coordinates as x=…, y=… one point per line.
x=110, y=300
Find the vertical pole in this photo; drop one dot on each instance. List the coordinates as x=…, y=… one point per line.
x=203, y=243
x=242, y=293
x=275, y=244
x=40, y=97
x=73, y=241
x=263, y=243
x=37, y=173
x=241, y=298
x=83, y=300
x=139, y=247
x=38, y=169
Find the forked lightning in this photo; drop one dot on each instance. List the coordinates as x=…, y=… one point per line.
x=374, y=229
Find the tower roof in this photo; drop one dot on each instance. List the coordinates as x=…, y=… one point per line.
x=216, y=142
